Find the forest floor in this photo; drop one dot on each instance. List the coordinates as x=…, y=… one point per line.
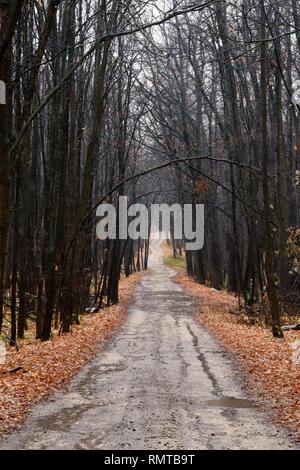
x=38, y=369
x=271, y=366
x=164, y=382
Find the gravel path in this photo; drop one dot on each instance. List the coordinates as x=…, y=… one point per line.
x=162, y=383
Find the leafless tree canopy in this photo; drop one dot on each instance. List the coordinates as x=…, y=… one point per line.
x=162, y=101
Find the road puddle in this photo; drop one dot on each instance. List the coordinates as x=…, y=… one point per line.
x=229, y=402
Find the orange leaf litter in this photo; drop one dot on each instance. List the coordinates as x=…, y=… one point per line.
x=50, y=365
x=272, y=366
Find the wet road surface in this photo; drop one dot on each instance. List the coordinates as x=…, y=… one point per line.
x=162, y=383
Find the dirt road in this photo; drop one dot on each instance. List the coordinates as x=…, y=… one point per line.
x=163, y=383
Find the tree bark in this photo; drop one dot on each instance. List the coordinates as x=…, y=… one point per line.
x=4, y=149
x=271, y=286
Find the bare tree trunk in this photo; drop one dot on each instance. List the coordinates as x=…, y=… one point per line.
x=269, y=269
x=4, y=149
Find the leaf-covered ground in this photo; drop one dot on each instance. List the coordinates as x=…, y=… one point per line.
x=44, y=367
x=272, y=366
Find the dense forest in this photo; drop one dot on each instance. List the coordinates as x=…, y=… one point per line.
x=161, y=101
